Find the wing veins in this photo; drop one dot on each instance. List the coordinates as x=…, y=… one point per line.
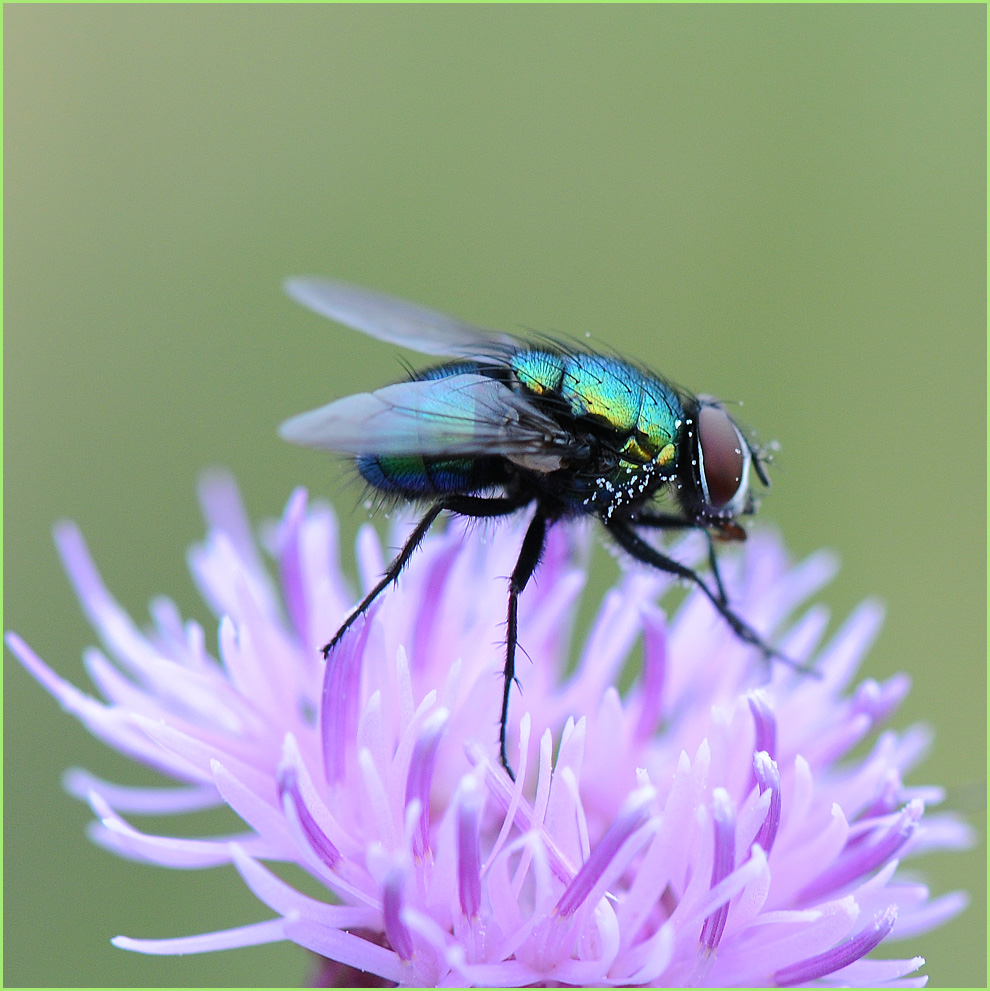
x=397, y=321
x=429, y=417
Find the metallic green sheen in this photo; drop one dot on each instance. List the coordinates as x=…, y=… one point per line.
x=540, y=372
x=603, y=388
x=660, y=413
x=644, y=413
x=609, y=390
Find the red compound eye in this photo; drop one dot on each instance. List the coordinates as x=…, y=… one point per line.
x=723, y=457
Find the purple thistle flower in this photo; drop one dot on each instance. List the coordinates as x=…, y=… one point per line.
x=705, y=827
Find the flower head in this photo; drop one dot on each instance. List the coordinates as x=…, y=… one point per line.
x=705, y=826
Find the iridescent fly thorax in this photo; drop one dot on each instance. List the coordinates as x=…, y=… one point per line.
x=635, y=418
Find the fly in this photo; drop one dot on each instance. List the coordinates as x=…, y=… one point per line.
x=504, y=424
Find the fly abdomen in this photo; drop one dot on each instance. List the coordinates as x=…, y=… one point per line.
x=414, y=476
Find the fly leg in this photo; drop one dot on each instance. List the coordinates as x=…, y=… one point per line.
x=638, y=548
x=462, y=505
x=529, y=557
x=391, y=574
x=668, y=521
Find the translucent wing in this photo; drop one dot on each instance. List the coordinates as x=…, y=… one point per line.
x=467, y=414
x=394, y=320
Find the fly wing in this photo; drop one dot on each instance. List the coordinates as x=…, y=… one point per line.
x=461, y=415
x=394, y=320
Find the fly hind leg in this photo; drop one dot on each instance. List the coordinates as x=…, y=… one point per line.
x=391, y=574
x=479, y=507
x=462, y=505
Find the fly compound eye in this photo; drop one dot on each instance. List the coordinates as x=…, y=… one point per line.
x=723, y=461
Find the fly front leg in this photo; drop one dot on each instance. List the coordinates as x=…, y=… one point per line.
x=668, y=521
x=638, y=548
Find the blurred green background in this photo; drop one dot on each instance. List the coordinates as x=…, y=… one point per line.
x=781, y=204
